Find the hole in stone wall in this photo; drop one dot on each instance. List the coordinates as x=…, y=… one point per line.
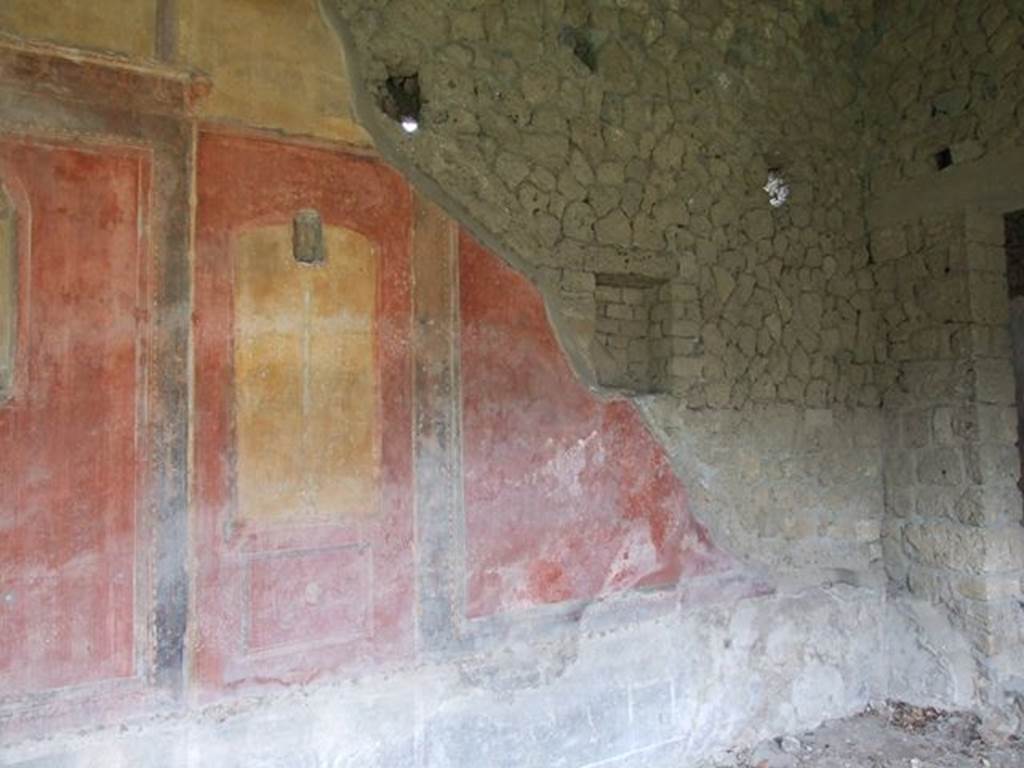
x=1013, y=225
x=399, y=98
x=943, y=158
x=579, y=42
x=630, y=311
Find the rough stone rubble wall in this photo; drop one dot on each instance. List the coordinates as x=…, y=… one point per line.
x=952, y=438
x=632, y=194
x=944, y=76
x=651, y=166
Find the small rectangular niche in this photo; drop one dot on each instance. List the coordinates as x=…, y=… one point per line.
x=308, y=237
x=628, y=329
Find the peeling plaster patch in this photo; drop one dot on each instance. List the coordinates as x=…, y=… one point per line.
x=637, y=557
x=567, y=466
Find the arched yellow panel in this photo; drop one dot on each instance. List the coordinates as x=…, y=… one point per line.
x=306, y=387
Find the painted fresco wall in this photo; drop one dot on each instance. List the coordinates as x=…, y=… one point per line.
x=302, y=519
x=303, y=490
x=69, y=427
x=124, y=27
x=270, y=65
x=567, y=496
x=93, y=402
x=369, y=515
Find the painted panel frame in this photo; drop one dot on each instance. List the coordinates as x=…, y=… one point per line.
x=35, y=168
x=247, y=181
x=446, y=627
x=48, y=98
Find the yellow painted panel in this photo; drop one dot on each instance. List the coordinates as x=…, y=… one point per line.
x=306, y=388
x=273, y=64
x=119, y=26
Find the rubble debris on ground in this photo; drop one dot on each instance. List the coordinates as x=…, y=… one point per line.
x=896, y=735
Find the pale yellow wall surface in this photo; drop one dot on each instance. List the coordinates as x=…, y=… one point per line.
x=117, y=26
x=274, y=64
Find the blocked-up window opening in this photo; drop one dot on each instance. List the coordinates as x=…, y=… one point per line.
x=8, y=292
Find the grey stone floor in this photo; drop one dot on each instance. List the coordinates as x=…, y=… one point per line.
x=897, y=736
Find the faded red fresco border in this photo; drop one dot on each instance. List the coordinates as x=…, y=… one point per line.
x=48, y=98
x=567, y=496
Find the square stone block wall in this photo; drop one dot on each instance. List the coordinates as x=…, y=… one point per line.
x=952, y=530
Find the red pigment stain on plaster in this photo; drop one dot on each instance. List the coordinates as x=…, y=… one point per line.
x=287, y=600
x=567, y=496
x=68, y=455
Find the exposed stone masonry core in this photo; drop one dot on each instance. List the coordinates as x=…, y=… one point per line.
x=1015, y=253
x=943, y=76
x=624, y=168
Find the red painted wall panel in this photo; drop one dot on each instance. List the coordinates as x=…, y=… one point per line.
x=287, y=600
x=313, y=594
x=69, y=454
x=567, y=496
